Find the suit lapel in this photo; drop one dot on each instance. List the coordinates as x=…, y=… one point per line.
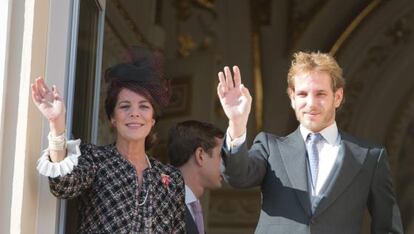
x=190, y=225
x=353, y=159
x=293, y=152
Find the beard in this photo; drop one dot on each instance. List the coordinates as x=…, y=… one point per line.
x=317, y=123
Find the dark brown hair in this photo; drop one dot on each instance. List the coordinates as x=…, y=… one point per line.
x=185, y=137
x=141, y=73
x=115, y=86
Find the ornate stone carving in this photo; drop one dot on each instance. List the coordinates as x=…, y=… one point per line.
x=260, y=16
x=400, y=139
x=400, y=145
x=128, y=20
x=398, y=34
x=186, y=44
x=190, y=12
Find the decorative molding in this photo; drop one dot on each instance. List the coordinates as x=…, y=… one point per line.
x=185, y=7
x=398, y=130
x=180, y=103
x=397, y=34
x=394, y=37
x=130, y=23
x=400, y=145
x=353, y=25
x=260, y=16
x=187, y=42
x=257, y=82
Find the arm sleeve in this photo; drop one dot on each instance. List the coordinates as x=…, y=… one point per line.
x=234, y=145
x=80, y=178
x=55, y=169
x=382, y=204
x=179, y=223
x=245, y=168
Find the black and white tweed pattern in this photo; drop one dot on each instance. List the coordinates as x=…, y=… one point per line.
x=106, y=186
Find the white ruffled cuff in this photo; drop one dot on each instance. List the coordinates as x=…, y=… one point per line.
x=55, y=169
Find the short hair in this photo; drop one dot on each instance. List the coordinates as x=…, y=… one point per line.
x=185, y=137
x=304, y=62
x=115, y=86
x=112, y=94
x=142, y=72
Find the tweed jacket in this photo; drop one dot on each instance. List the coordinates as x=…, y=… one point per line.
x=110, y=200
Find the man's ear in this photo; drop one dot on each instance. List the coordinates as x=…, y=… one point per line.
x=199, y=156
x=339, y=95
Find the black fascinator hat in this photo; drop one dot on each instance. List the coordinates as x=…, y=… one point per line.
x=141, y=69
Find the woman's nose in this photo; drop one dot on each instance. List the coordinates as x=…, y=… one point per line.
x=134, y=112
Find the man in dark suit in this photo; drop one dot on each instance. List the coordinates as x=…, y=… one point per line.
x=195, y=149
x=318, y=179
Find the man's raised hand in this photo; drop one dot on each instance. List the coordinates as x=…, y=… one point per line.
x=235, y=100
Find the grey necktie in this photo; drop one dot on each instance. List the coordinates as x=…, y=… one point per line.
x=313, y=155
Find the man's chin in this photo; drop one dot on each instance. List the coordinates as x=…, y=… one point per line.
x=312, y=126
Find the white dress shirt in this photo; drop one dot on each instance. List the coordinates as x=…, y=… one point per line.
x=189, y=198
x=328, y=150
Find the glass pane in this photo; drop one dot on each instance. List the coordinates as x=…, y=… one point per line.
x=85, y=70
x=89, y=13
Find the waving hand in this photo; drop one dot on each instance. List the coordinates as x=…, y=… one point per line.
x=50, y=103
x=235, y=100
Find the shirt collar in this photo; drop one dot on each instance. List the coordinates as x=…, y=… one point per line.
x=189, y=195
x=330, y=133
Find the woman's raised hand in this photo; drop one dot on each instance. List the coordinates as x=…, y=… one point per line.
x=50, y=103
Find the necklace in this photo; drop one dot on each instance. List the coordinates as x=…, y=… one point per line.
x=145, y=199
x=149, y=187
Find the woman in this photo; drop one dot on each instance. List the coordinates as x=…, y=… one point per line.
x=121, y=189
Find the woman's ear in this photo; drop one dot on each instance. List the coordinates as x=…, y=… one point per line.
x=153, y=122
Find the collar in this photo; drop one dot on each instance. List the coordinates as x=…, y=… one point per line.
x=330, y=133
x=148, y=161
x=189, y=195
x=113, y=145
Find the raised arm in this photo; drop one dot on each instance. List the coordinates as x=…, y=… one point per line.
x=67, y=178
x=235, y=100
x=51, y=105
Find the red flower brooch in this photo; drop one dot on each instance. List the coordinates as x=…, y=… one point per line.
x=165, y=179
